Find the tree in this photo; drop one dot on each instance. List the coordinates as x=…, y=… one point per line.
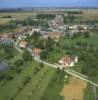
x=45, y=16
x=41, y=65
x=26, y=80
x=27, y=56
x=40, y=44
x=86, y=34
x=18, y=63
x=8, y=51
x=49, y=44
x=36, y=36
x=71, y=18
x=44, y=55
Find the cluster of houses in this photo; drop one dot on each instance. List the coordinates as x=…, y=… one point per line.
x=9, y=37
x=56, y=30
x=6, y=39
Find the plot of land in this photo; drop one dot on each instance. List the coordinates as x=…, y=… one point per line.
x=74, y=90
x=15, y=16
x=18, y=15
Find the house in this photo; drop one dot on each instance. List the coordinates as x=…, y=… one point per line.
x=21, y=36
x=54, y=35
x=44, y=32
x=68, y=61
x=23, y=44
x=73, y=27
x=4, y=39
x=36, y=52
x=34, y=30
x=21, y=29
x=84, y=27
x=3, y=66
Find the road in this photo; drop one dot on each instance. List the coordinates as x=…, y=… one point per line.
x=67, y=71
x=95, y=92
x=71, y=72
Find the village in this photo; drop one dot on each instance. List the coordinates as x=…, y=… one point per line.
x=56, y=30
x=55, y=48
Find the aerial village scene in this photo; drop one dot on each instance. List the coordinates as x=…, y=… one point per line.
x=49, y=54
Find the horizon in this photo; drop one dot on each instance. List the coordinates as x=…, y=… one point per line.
x=4, y=4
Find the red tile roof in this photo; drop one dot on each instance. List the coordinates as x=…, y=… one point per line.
x=37, y=50
x=67, y=59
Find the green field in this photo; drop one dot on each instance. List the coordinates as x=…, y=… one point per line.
x=91, y=40
x=4, y=21
x=35, y=88
x=14, y=16
x=17, y=15
x=88, y=93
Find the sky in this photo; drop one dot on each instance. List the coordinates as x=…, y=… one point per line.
x=47, y=3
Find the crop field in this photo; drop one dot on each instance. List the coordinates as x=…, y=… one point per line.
x=87, y=15
x=90, y=14
x=4, y=21
x=20, y=15
x=34, y=88
x=74, y=90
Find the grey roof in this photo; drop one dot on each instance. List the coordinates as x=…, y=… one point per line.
x=3, y=66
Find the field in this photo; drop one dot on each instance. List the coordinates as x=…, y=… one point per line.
x=17, y=15
x=90, y=14
x=4, y=21
x=41, y=79
x=91, y=40
x=88, y=93
x=74, y=90
x=37, y=82
x=87, y=15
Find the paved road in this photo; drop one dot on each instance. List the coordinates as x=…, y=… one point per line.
x=71, y=72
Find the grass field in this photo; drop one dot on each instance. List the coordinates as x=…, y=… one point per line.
x=11, y=88
x=88, y=93
x=20, y=16
x=4, y=20
x=90, y=14
x=55, y=87
x=37, y=85
x=91, y=40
